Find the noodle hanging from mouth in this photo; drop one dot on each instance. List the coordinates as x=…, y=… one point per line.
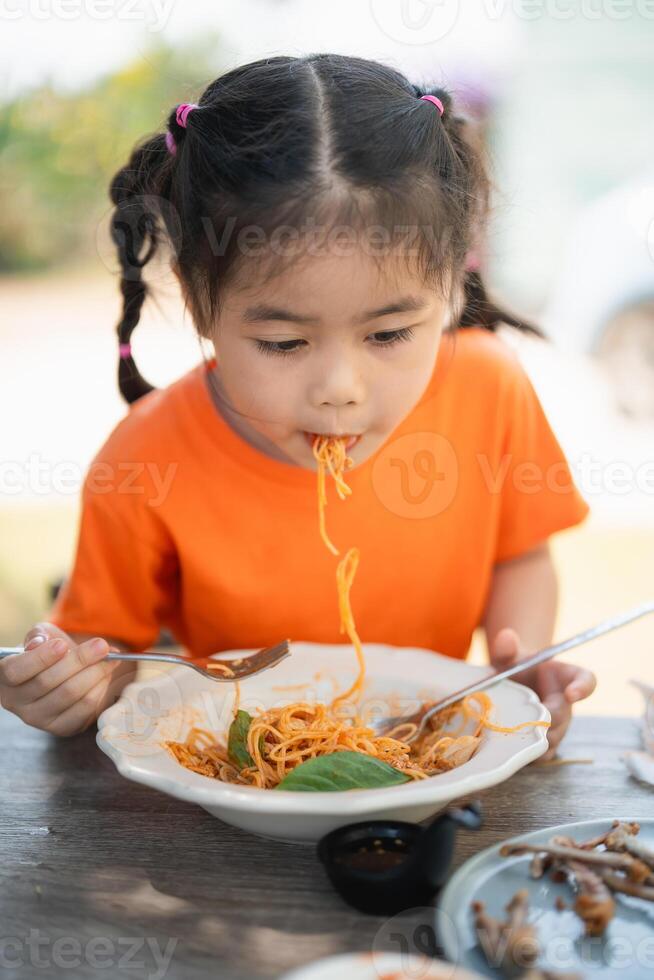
x=330, y=454
x=280, y=739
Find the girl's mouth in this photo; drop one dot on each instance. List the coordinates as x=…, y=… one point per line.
x=350, y=443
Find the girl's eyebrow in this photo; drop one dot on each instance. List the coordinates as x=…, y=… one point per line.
x=263, y=312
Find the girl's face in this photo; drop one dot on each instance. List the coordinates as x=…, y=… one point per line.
x=334, y=345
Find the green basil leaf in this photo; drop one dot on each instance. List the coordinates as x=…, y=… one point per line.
x=237, y=740
x=342, y=770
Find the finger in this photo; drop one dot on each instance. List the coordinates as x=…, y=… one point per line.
x=44, y=710
x=576, y=682
x=582, y=686
x=561, y=713
x=21, y=667
x=84, y=712
x=48, y=630
x=549, y=679
x=558, y=707
x=78, y=658
x=505, y=648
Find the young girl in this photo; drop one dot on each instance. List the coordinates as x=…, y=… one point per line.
x=321, y=213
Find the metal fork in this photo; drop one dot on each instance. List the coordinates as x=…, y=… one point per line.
x=241, y=667
x=422, y=716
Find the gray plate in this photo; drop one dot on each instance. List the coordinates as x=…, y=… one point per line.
x=626, y=952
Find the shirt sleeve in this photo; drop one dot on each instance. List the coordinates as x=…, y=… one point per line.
x=124, y=580
x=538, y=493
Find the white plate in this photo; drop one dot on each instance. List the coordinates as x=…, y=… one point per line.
x=377, y=966
x=625, y=953
x=164, y=707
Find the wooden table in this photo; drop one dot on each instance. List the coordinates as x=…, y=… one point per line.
x=119, y=873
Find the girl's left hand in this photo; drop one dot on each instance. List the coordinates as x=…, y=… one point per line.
x=556, y=683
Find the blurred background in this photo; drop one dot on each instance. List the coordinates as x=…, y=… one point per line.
x=561, y=92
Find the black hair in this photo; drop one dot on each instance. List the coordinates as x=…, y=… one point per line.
x=342, y=139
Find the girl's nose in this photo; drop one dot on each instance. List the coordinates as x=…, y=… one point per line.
x=338, y=383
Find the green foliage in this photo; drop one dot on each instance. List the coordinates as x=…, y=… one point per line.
x=58, y=152
x=342, y=770
x=237, y=741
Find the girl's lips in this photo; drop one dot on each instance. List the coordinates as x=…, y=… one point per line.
x=351, y=440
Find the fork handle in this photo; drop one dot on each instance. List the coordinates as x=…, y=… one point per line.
x=606, y=626
x=154, y=657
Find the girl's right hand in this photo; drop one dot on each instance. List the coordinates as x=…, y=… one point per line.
x=60, y=684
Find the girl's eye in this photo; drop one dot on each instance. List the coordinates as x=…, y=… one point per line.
x=284, y=348
x=388, y=338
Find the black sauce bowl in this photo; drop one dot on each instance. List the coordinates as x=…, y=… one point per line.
x=384, y=866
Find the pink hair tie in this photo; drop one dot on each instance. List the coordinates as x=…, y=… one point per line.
x=125, y=350
x=437, y=102
x=183, y=111
x=472, y=261
x=181, y=115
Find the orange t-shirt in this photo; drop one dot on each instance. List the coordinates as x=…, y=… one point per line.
x=185, y=525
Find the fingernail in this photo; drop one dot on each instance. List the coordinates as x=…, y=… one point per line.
x=59, y=646
x=98, y=647
x=35, y=641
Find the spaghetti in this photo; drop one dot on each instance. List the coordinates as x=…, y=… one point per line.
x=280, y=739
x=330, y=454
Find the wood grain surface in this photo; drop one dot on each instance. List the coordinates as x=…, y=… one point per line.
x=103, y=878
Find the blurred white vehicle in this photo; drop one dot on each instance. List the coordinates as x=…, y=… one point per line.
x=603, y=299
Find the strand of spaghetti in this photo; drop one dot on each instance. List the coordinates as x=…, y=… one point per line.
x=228, y=672
x=331, y=453
x=322, y=495
x=486, y=706
x=344, y=577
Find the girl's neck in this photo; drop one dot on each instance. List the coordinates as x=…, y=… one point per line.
x=238, y=423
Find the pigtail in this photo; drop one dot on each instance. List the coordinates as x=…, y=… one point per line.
x=480, y=311
x=134, y=230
